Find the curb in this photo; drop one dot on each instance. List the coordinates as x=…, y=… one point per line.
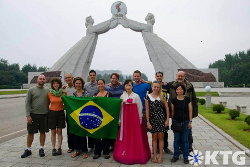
x=12, y=96
x=228, y=137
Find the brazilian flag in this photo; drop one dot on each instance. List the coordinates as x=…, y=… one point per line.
x=96, y=117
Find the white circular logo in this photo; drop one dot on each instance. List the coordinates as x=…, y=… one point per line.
x=195, y=158
x=119, y=9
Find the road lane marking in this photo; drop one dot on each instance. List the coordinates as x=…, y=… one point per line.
x=12, y=133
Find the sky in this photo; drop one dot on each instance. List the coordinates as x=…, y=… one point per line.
x=41, y=31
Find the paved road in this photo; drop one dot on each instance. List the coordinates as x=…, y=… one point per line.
x=12, y=120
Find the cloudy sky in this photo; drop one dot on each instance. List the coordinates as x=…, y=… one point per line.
x=40, y=31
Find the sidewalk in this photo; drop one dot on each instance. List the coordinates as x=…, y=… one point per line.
x=206, y=138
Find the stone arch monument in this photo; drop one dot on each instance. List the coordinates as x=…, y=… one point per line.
x=165, y=58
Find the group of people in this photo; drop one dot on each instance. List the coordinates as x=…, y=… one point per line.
x=146, y=107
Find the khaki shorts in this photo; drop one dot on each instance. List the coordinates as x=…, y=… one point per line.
x=39, y=122
x=56, y=119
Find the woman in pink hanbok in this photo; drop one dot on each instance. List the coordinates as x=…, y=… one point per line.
x=131, y=146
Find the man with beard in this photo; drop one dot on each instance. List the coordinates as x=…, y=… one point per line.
x=141, y=89
x=37, y=107
x=116, y=89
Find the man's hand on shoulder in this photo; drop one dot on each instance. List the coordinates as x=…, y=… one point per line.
x=64, y=86
x=143, y=81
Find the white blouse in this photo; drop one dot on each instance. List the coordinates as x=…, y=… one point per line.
x=137, y=101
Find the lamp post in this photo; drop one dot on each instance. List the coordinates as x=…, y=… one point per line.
x=208, y=97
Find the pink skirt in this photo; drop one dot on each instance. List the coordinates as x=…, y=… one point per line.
x=134, y=146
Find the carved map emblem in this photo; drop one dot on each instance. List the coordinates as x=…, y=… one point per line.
x=119, y=9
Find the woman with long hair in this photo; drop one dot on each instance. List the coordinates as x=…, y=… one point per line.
x=157, y=115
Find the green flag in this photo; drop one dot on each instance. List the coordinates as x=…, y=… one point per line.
x=96, y=117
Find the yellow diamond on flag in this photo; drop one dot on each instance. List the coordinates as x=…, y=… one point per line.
x=91, y=117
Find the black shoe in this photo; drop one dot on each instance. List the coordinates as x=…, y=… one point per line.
x=96, y=156
x=53, y=152
x=186, y=161
x=174, y=159
x=26, y=153
x=41, y=152
x=106, y=156
x=167, y=151
x=59, y=151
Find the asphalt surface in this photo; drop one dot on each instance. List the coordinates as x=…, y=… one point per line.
x=12, y=120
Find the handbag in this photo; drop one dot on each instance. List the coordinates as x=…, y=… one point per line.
x=178, y=126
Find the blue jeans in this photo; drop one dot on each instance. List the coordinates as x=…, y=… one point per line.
x=177, y=140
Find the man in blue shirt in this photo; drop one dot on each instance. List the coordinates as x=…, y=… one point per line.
x=114, y=87
x=140, y=88
x=116, y=90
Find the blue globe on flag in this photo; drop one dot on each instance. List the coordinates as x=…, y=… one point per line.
x=90, y=117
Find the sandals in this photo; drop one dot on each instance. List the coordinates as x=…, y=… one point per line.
x=155, y=161
x=84, y=156
x=160, y=161
x=70, y=150
x=75, y=154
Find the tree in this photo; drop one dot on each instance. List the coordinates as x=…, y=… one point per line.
x=42, y=69
x=3, y=64
x=29, y=68
x=14, y=67
x=234, y=69
x=144, y=76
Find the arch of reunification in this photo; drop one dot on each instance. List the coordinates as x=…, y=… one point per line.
x=165, y=58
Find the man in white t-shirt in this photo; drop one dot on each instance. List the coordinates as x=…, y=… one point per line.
x=69, y=89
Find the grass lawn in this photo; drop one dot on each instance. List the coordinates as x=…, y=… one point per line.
x=13, y=92
x=204, y=94
x=234, y=128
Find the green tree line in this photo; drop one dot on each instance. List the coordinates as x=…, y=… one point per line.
x=12, y=77
x=234, y=70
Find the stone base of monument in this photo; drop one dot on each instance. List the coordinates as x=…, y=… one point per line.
x=49, y=75
x=211, y=84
